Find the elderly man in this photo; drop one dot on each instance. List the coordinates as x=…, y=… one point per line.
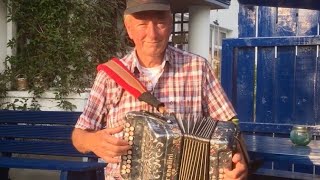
x=184, y=82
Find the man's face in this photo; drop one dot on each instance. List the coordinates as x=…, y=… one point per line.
x=150, y=31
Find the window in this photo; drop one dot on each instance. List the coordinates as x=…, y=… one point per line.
x=179, y=37
x=217, y=34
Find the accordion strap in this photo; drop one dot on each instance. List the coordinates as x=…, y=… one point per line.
x=122, y=76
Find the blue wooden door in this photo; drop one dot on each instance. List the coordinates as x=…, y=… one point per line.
x=271, y=72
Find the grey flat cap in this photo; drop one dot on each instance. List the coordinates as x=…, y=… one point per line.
x=134, y=6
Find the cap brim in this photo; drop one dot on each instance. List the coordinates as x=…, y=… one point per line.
x=147, y=7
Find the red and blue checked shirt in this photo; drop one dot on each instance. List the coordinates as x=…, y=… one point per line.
x=187, y=86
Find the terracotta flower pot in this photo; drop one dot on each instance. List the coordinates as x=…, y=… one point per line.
x=21, y=82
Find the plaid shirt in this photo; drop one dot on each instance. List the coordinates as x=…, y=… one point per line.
x=187, y=86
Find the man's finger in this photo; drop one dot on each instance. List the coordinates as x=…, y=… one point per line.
x=236, y=158
x=239, y=170
x=111, y=159
x=118, y=150
x=231, y=175
x=115, y=130
x=116, y=141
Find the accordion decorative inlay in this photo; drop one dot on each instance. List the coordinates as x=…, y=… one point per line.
x=181, y=148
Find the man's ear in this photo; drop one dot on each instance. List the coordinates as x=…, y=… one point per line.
x=127, y=25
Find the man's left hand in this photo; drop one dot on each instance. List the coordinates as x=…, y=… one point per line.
x=240, y=170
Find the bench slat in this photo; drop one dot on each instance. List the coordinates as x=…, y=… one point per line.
x=45, y=133
x=46, y=164
x=270, y=128
x=41, y=148
x=285, y=174
x=39, y=117
x=282, y=149
x=265, y=127
x=36, y=132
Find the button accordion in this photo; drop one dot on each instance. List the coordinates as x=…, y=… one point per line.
x=184, y=148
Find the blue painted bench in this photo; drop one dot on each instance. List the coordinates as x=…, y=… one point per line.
x=273, y=83
x=37, y=133
x=270, y=143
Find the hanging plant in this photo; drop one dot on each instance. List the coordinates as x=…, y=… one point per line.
x=60, y=42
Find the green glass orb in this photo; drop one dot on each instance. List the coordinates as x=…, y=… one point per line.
x=300, y=135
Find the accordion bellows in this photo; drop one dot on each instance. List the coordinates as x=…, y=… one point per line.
x=181, y=148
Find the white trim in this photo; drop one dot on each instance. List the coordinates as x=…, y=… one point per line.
x=223, y=29
x=47, y=101
x=3, y=35
x=11, y=33
x=217, y=3
x=47, y=94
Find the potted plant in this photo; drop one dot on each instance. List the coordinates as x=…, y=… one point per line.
x=21, y=82
x=59, y=43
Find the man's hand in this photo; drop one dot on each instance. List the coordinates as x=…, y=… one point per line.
x=108, y=147
x=102, y=143
x=240, y=170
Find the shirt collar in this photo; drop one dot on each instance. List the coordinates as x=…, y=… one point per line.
x=168, y=57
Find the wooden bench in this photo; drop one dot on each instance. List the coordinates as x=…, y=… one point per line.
x=270, y=143
x=42, y=140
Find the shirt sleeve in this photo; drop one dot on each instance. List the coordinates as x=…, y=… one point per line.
x=92, y=115
x=216, y=102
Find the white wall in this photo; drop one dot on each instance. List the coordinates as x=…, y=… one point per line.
x=3, y=35
x=47, y=101
x=227, y=18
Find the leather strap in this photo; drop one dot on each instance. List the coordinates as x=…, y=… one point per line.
x=122, y=76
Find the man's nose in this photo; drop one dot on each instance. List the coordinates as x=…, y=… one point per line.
x=152, y=30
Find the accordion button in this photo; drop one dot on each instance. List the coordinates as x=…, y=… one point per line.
x=131, y=133
x=129, y=157
x=127, y=129
x=129, y=161
x=129, y=152
x=124, y=157
x=130, y=138
x=128, y=166
x=126, y=134
x=128, y=170
x=139, y=128
x=130, y=143
x=131, y=128
x=123, y=171
x=128, y=125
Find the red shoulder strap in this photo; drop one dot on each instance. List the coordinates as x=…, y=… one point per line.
x=122, y=76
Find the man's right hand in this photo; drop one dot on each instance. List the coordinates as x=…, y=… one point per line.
x=102, y=143
x=108, y=147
